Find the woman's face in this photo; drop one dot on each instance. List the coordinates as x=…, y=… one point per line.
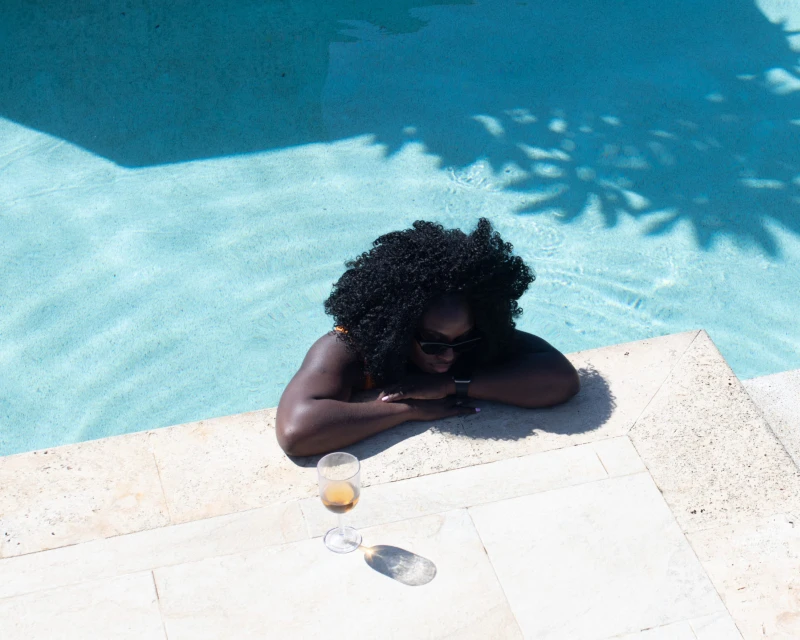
x=447, y=320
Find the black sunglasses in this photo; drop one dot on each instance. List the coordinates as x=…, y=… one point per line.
x=432, y=348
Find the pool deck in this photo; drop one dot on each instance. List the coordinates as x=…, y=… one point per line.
x=778, y=397
x=659, y=503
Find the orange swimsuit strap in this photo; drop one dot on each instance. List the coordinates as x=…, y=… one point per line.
x=369, y=383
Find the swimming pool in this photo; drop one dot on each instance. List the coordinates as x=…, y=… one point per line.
x=172, y=221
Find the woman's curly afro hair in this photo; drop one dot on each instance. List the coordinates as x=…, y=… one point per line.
x=382, y=296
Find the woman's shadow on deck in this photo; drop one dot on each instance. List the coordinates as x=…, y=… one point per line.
x=590, y=410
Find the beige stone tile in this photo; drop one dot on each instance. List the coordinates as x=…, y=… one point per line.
x=755, y=566
x=677, y=631
x=415, y=449
x=432, y=447
x=778, y=397
x=618, y=456
x=125, y=607
x=165, y=546
x=406, y=451
x=719, y=626
x=593, y=561
x=81, y=492
x=462, y=488
x=304, y=590
x=710, y=450
x=617, y=383
x=224, y=465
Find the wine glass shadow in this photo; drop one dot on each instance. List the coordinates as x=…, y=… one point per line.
x=398, y=564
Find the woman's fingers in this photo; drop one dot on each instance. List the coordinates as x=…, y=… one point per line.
x=391, y=397
x=440, y=409
x=461, y=410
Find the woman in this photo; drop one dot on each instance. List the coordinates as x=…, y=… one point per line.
x=426, y=317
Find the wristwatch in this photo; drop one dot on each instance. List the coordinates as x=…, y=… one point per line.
x=462, y=385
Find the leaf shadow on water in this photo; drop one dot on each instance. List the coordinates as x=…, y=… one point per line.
x=669, y=112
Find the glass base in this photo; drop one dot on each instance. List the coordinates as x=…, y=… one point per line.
x=335, y=541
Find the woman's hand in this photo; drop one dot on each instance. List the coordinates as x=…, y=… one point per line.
x=439, y=409
x=426, y=386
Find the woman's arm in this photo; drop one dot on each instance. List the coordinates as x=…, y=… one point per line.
x=315, y=414
x=537, y=376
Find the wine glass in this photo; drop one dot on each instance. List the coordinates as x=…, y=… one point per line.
x=339, y=476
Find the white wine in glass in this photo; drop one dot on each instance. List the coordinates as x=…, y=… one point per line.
x=339, y=476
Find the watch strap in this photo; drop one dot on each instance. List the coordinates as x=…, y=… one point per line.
x=462, y=386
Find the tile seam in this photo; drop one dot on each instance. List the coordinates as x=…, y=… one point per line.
x=163, y=490
x=66, y=546
x=77, y=583
x=488, y=502
x=600, y=460
x=684, y=532
x=686, y=539
x=568, y=445
x=152, y=569
x=765, y=423
x=663, y=382
x=691, y=626
x=306, y=522
x=494, y=571
x=672, y=623
x=158, y=600
x=696, y=557
x=770, y=428
x=687, y=621
x=137, y=531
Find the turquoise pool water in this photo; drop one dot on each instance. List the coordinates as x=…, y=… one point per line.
x=181, y=186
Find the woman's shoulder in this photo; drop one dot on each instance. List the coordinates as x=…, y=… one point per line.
x=525, y=342
x=329, y=370
x=331, y=353
x=330, y=347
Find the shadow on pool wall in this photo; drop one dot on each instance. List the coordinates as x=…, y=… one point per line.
x=150, y=82
x=680, y=108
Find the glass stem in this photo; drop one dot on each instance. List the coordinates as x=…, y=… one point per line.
x=341, y=525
